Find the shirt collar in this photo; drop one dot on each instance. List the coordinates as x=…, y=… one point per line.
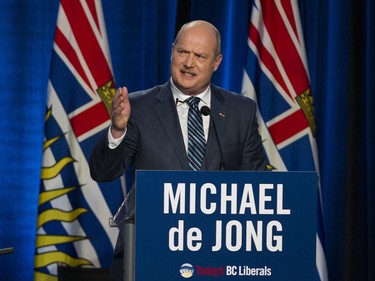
x=205, y=96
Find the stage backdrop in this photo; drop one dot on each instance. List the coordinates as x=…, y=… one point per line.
x=339, y=41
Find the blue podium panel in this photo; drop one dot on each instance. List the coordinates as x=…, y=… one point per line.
x=210, y=225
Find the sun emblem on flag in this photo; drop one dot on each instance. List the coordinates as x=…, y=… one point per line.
x=47, y=252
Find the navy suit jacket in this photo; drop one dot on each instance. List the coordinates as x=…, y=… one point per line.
x=154, y=138
x=154, y=141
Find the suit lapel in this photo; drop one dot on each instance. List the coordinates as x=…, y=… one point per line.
x=218, y=113
x=166, y=110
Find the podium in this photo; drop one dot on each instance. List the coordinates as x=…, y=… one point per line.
x=228, y=225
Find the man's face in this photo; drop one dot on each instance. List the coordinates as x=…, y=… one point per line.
x=194, y=59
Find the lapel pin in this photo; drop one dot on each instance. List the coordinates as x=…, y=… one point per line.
x=222, y=114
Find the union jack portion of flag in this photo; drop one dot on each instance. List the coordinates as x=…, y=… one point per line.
x=276, y=76
x=74, y=211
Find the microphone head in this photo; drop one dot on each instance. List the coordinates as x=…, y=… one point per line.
x=205, y=110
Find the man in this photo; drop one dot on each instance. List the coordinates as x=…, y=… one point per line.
x=149, y=128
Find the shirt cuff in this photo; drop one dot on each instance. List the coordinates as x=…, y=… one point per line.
x=112, y=142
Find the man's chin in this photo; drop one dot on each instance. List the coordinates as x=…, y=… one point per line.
x=187, y=90
x=186, y=84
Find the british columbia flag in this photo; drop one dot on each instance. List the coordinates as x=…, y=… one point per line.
x=74, y=211
x=276, y=75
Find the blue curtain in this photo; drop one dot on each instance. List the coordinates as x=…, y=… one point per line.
x=339, y=39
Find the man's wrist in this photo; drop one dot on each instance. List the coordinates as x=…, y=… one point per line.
x=114, y=138
x=117, y=132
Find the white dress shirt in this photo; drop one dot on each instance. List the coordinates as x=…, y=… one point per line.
x=182, y=111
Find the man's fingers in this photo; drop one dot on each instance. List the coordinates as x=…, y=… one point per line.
x=117, y=100
x=120, y=108
x=124, y=92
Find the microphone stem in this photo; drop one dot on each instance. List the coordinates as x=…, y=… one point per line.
x=222, y=164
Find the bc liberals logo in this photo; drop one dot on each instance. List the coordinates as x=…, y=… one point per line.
x=186, y=270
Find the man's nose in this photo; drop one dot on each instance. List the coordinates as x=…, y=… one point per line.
x=190, y=61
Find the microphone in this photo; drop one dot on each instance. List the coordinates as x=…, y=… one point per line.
x=205, y=110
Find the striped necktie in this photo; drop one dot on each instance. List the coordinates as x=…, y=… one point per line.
x=196, y=139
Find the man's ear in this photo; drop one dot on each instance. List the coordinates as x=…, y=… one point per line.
x=217, y=61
